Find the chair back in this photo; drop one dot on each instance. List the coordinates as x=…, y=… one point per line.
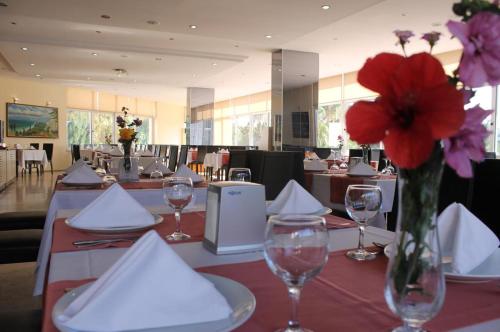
x=163, y=151
x=254, y=161
x=322, y=153
x=237, y=159
x=49, y=150
x=212, y=148
x=75, y=148
x=182, y=154
x=202, y=152
x=35, y=145
x=287, y=147
x=236, y=147
x=279, y=168
x=490, y=155
x=172, y=158
x=454, y=189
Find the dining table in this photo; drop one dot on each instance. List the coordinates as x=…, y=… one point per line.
x=31, y=155
x=148, y=192
x=347, y=295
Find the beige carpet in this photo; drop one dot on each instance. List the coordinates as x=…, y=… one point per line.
x=19, y=310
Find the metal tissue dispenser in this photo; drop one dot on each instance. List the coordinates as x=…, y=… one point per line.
x=235, y=220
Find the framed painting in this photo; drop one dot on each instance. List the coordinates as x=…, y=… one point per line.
x=32, y=121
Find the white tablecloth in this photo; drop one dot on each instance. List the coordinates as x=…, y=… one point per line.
x=315, y=165
x=32, y=155
x=189, y=158
x=214, y=160
x=78, y=199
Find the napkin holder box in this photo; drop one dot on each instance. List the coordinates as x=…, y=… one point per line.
x=235, y=218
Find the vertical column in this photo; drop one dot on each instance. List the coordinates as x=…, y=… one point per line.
x=200, y=116
x=294, y=98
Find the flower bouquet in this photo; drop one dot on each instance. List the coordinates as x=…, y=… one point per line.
x=128, y=134
x=420, y=117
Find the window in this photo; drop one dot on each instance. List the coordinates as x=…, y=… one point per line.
x=329, y=126
x=102, y=126
x=78, y=125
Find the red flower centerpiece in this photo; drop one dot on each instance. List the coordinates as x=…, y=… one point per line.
x=419, y=116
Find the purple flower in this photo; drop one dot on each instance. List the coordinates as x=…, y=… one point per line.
x=403, y=36
x=431, y=37
x=480, y=37
x=120, y=121
x=137, y=122
x=468, y=143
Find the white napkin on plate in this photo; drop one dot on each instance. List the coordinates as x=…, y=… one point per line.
x=186, y=172
x=82, y=175
x=113, y=208
x=146, y=153
x=161, y=167
x=315, y=165
x=75, y=165
x=294, y=199
x=150, y=286
x=465, y=238
x=362, y=169
x=115, y=151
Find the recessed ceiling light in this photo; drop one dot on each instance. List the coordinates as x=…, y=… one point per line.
x=325, y=7
x=94, y=54
x=436, y=24
x=194, y=75
x=152, y=22
x=403, y=14
x=192, y=26
x=38, y=75
x=171, y=38
x=13, y=23
x=32, y=64
x=335, y=38
x=3, y=4
x=88, y=78
x=24, y=49
x=124, y=56
x=236, y=45
x=214, y=64
x=135, y=81
x=269, y=36
x=106, y=17
x=158, y=59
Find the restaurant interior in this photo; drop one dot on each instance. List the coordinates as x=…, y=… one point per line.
x=216, y=165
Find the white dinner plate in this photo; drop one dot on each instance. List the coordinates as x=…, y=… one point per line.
x=486, y=271
x=90, y=184
x=361, y=175
x=239, y=298
x=321, y=212
x=117, y=230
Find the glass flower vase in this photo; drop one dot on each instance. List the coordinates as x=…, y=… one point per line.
x=128, y=169
x=415, y=286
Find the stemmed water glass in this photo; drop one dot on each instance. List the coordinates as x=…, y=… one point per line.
x=178, y=192
x=362, y=203
x=295, y=249
x=388, y=169
x=156, y=173
x=240, y=174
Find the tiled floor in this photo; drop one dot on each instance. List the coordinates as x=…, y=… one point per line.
x=28, y=193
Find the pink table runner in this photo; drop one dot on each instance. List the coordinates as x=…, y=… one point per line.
x=346, y=296
x=126, y=185
x=193, y=223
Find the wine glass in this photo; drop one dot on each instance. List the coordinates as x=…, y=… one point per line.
x=178, y=192
x=156, y=173
x=388, y=169
x=362, y=203
x=296, y=249
x=240, y=174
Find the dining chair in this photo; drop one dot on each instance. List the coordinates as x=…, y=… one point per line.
x=277, y=170
x=237, y=159
x=172, y=157
x=75, y=148
x=322, y=153
x=35, y=145
x=30, y=164
x=183, y=155
x=254, y=163
x=49, y=150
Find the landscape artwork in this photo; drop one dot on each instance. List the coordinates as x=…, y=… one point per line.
x=32, y=121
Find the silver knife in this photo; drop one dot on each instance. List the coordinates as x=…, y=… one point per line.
x=88, y=243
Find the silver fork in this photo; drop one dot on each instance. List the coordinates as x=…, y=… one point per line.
x=91, y=243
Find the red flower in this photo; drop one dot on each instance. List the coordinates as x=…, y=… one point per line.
x=416, y=107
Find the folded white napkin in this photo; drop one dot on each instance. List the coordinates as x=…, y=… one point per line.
x=115, y=151
x=465, y=238
x=82, y=175
x=331, y=156
x=152, y=167
x=148, y=287
x=186, y=172
x=224, y=151
x=75, y=165
x=113, y=208
x=294, y=199
x=362, y=169
x=315, y=165
x=146, y=153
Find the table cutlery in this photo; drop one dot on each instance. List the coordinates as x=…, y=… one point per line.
x=89, y=243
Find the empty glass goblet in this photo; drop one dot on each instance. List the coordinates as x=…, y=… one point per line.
x=156, y=173
x=178, y=192
x=240, y=174
x=362, y=203
x=296, y=249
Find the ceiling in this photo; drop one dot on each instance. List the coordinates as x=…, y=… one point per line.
x=69, y=42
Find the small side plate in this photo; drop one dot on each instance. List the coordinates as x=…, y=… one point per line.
x=117, y=230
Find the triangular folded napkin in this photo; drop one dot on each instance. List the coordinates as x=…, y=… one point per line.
x=464, y=238
x=113, y=208
x=75, y=165
x=332, y=156
x=315, y=165
x=82, y=175
x=150, y=286
x=186, y=172
x=153, y=165
x=294, y=199
x=362, y=169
